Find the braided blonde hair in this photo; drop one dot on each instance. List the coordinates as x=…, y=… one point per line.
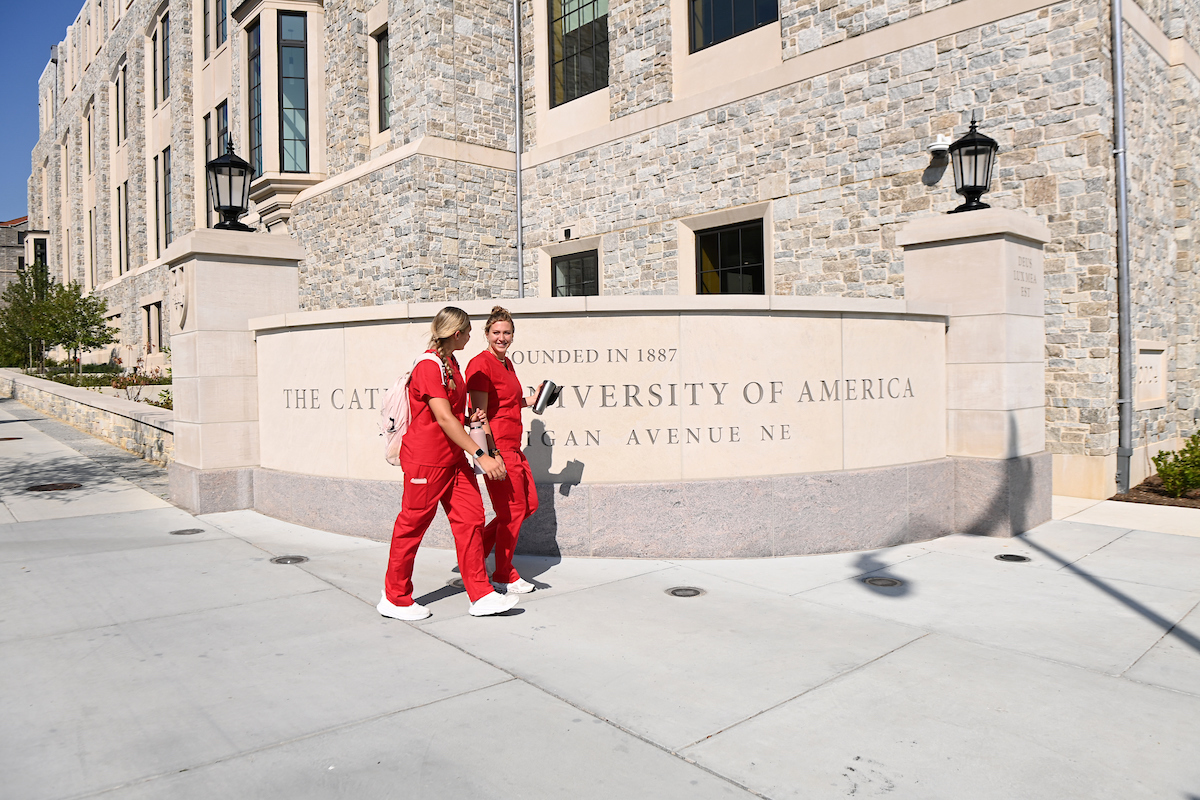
x=449, y=321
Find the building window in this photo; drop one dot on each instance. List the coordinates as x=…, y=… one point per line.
x=578, y=48
x=89, y=136
x=384, y=59
x=121, y=99
x=168, y=229
x=222, y=128
x=121, y=233
x=91, y=236
x=293, y=93
x=39, y=252
x=222, y=31
x=152, y=316
x=254, y=81
x=154, y=70
x=166, y=56
x=729, y=260
x=157, y=210
x=207, y=25
x=576, y=275
x=714, y=21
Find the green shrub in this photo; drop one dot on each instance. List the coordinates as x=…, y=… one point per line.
x=1180, y=471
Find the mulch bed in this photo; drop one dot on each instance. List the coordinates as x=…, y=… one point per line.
x=1151, y=491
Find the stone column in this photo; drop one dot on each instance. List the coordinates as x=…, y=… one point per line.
x=220, y=281
x=986, y=267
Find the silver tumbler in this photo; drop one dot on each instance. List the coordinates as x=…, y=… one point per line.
x=546, y=395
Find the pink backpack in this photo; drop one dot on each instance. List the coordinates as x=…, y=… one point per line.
x=395, y=412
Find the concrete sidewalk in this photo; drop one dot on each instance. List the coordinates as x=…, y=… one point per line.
x=140, y=661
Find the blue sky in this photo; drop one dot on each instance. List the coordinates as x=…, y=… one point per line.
x=30, y=28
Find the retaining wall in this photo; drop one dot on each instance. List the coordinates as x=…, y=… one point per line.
x=143, y=430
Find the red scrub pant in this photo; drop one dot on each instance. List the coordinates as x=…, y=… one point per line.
x=424, y=487
x=514, y=500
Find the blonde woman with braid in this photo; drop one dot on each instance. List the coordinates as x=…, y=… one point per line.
x=433, y=455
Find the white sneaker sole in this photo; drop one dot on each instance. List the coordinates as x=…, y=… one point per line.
x=411, y=613
x=499, y=608
x=512, y=588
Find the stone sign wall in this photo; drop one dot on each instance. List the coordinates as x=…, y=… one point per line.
x=660, y=395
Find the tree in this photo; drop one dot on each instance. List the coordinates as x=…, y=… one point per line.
x=27, y=320
x=78, y=320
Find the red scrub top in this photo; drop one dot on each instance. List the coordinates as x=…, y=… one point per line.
x=486, y=373
x=425, y=443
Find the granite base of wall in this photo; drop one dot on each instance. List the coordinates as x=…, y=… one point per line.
x=144, y=430
x=750, y=518
x=208, y=491
x=1002, y=498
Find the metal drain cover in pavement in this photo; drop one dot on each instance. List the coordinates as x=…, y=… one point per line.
x=884, y=582
x=289, y=559
x=685, y=591
x=455, y=582
x=54, y=487
x=187, y=531
x=1012, y=557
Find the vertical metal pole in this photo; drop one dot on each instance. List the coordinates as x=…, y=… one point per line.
x=518, y=106
x=1125, y=354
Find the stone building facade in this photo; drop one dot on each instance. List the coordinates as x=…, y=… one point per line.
x=12, y=250
x=816, y=121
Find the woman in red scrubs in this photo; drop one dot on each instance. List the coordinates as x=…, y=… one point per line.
x=433, y=457
x=495, y=390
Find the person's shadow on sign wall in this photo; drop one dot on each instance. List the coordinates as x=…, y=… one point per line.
x=539, y=535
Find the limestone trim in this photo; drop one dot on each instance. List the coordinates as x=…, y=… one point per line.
x=971, y=225
x=687, y=228
x=547, y=253
x=425, y=146
x=617, y=304
x=1176, y=52
x=914, y=31
x=734, y=59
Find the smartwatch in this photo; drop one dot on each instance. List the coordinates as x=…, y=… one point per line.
x=479, y=453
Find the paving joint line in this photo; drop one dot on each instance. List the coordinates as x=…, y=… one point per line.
x=285, y=742
x=656, y=745
x=809, y=690
x=1159, y=641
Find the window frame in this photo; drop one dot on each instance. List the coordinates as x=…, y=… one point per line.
x=303, y=46
x=557, y=42
x=383, y=79
x=253, y=94
x=582, y=255
x=167, y=218
x=164, y=25
x=692, y=24
x=222, y=22
x=722, y=270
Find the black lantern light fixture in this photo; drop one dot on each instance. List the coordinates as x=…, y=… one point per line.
x=229, y=188
x=972, y=157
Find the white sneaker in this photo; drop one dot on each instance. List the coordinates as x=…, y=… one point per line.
x=492, y=603
x=407, y=613
x=521, y=586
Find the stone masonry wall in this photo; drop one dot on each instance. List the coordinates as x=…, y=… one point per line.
x=807, y=26
x=421, y=229
x=347, y=123
x=143, y=430
x=639, y=35
x=125, y=42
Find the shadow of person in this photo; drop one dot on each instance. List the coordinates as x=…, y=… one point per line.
x=870, y=566
x=539, y=535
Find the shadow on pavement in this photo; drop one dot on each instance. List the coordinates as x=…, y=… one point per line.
x=1170, y=628
x=872, y=567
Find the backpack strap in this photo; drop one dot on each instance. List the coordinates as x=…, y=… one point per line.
x=435, y=360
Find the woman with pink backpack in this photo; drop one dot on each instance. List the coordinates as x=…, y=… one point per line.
x=433, y=455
